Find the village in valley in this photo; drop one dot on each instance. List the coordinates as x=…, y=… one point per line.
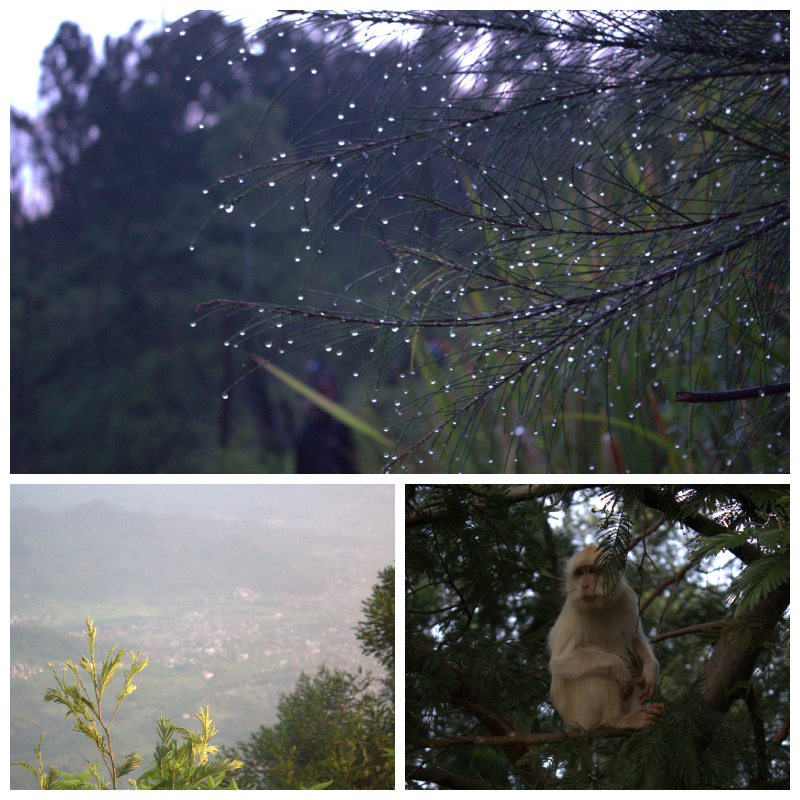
x=275, y=633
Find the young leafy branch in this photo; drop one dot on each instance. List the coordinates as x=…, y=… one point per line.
x=185, y=766
x=88, y=714
x=176, y=766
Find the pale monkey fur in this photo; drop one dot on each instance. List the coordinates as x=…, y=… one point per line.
x=592, y=683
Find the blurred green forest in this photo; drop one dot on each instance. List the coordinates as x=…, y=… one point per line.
x=107, y=372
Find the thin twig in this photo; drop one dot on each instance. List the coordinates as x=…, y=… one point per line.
x=733, y=394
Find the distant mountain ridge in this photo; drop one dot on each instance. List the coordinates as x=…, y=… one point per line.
x=218, y=501
x=98, y=549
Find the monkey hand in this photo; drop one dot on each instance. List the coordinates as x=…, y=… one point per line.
x=649, y=681
x=624, y=679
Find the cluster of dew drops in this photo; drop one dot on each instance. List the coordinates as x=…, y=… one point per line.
x=228, y=207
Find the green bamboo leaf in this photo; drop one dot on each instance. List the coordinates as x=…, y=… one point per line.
x=661, y=441
x=325, y=403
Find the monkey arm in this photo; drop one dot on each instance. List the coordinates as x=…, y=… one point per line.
x=649, y=677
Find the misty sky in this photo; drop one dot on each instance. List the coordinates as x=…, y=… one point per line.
x=37, y=30
x=228, y=501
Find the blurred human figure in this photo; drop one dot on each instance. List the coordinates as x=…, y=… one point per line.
x=324, y=445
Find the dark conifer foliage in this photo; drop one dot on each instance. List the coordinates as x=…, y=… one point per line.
x=485, y=584
x=580, y=216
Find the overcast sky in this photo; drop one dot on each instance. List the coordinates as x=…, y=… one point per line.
x=38, y=29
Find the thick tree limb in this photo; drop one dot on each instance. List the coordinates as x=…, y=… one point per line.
x=734, y=658
x=705, y=526
x=523, y=738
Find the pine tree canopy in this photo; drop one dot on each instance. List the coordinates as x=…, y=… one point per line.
x=573, y=228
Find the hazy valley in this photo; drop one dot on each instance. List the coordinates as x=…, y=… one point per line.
x=228, y=611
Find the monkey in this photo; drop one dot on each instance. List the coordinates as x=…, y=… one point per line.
x=593, y=645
